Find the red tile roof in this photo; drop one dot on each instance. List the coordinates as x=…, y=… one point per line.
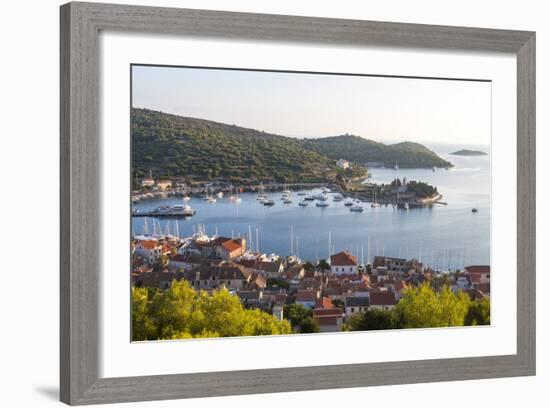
x=333, y=312
x=343, y=259
x=477, y=269
x=307, y=295
x=150, y=244
x=323, y=303
x=232, y=245
x=382, y=299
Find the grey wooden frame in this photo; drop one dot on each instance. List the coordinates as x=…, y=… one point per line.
x=80, y=26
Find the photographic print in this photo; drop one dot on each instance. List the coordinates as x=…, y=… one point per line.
x=279, y=203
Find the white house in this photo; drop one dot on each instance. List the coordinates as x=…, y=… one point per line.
x=149, y=250
x=343, y=262
x=356, y=304
x=343, y=164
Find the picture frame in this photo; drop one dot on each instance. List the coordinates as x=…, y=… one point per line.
x=81, y=24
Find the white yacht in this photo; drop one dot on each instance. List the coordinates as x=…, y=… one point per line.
x=321, y=204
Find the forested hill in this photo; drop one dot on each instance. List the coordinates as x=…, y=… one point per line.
x=173, y=145
x=358, y=149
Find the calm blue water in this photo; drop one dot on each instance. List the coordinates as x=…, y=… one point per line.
x=441, y=236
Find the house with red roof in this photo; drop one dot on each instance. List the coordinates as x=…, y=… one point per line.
x=329, y=320
x=343, y=262
x=383, y=300
x=479, y=274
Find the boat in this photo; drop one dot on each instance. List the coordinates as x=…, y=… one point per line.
x=321, y=204
x=320, y=196
x=396, y=166
x=374, y=203
x=219, y=194
x=186, y=198
x=406, y=206
x=287, y=201
x=337, y=197
x=285, y=196
x=348, y=203
x=268, y=202
x=309, y=197
x=303, y=203
x=184, y=210
x=474, y=210
x=211, y=200
x=261, y=194
x=433, y=168
x=325, y=190
x=356, y=208
x=301, y=193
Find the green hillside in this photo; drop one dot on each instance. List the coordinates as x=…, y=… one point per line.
x=172, y=145
x=176, y=146
x=360, y=150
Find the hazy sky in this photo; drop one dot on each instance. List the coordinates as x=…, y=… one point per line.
x=308, y=105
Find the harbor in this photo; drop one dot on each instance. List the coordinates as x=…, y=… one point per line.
x=445, y=235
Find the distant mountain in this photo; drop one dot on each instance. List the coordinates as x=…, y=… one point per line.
x=361, y=150
x=173, y=145
x=466, y=152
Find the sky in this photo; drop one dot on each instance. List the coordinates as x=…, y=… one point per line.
x=387, y=110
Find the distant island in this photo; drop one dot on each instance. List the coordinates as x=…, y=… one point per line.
x=199, y=149
x=466, y=152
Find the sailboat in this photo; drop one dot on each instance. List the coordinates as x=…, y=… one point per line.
x=374, y=203
x=396, y=167
x=237, y=199
x=185, y=195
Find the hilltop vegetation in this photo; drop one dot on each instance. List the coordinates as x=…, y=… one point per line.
x=361, y=150
x=172, y=145
x=176, y=146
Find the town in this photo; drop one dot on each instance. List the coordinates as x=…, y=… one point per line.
x=332, y=291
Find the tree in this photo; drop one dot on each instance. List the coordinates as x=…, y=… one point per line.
x=142, y=326
x=309, y=325
x=423, y=307
x=180, y=312
x=323, y=267
x=479, y=313
x=296, y=313
x=309, y=267
x=374, y=319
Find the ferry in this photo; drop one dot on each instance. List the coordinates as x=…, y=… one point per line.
x=357, y=208
x=321, y=204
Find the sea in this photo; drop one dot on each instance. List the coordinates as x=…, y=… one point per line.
x=443, y=236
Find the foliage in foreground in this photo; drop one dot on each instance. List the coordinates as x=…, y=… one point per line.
x=181, y=312
x=422, y=307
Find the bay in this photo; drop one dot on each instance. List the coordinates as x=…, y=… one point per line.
x=442, y=236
